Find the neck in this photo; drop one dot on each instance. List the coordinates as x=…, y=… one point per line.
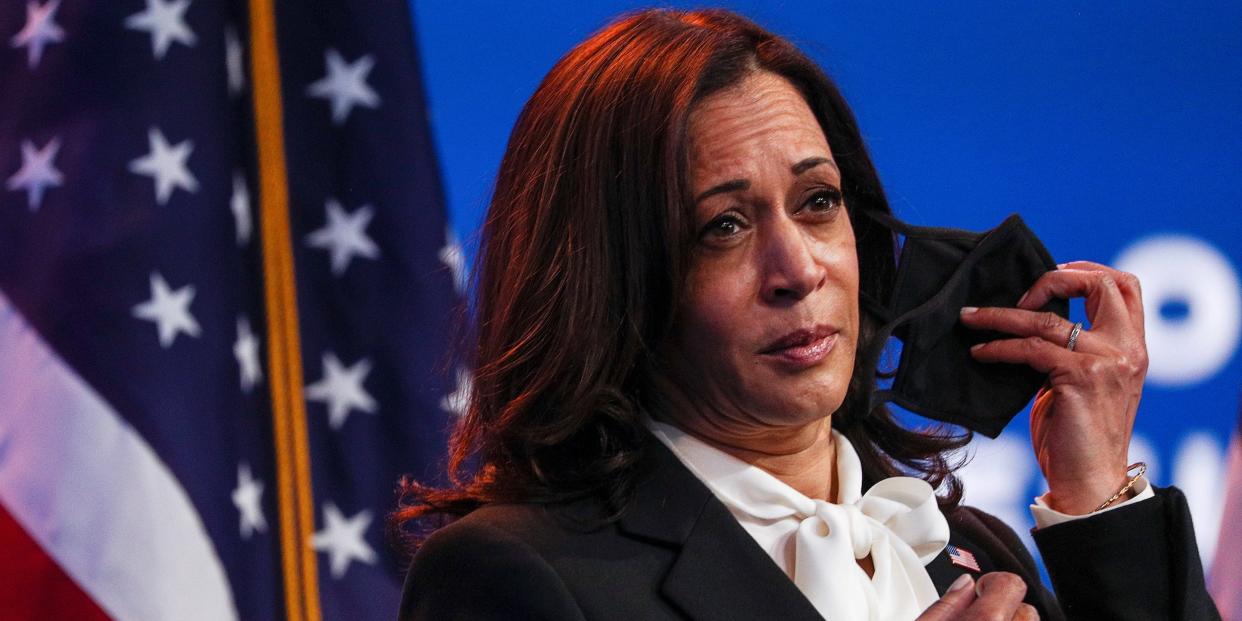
x=801, y=456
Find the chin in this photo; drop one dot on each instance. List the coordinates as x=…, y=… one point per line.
x=804, y=400
x=800, y=405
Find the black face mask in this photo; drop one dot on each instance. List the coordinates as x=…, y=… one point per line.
x=940, y=271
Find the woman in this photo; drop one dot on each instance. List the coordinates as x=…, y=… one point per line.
x=670, y=416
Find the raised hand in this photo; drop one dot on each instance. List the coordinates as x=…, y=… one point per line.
x=1083, y=418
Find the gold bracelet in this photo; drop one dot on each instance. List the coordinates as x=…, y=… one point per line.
x=1142, y=468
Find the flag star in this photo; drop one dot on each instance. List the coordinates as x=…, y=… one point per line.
x=246, y=350
x=233, y=61
x=452, y=256
x=239, y=203
x=166, y=165
x=38, y=172
x=341, y=389
x=346, y=85
x=166, y=23
x=343, y=539
x=345, y=235
x=40, y=30
x=169, y=309
x=458, y=401
x=248, y=498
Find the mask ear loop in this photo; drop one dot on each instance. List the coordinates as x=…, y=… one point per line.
x=887, y=220
x=909, y=230
x=871, y=357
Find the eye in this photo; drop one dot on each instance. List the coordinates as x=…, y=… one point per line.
x=721, y=229
x=824, y=201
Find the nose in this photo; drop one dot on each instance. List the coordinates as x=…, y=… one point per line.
x=790, y=269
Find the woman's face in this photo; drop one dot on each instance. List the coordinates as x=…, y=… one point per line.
x=768, y=325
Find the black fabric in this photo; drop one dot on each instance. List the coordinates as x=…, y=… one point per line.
x=939, y=272
x=1153, y=533
x=677, y=553
x=484, y=571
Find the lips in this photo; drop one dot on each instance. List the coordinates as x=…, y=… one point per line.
x=803, y=347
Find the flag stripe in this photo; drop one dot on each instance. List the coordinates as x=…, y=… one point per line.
x=284, y=351
x=1226, y=574
x=37, y=587
x=140, y=550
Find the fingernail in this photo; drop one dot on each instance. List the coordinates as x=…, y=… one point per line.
x=966, y=310
x=1061, y=266
x=976, y=346
x=962, y=582
x=1023, y=298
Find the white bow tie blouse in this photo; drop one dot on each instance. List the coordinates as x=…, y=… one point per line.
x=818, y=544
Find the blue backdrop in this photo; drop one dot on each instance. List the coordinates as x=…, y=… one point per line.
x=1113, y=129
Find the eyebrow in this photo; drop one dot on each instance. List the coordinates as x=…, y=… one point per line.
x=734, y=185
x=812, y=162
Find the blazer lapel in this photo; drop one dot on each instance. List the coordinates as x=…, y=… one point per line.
x=720, y=572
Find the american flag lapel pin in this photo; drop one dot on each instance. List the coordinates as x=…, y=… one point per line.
x=962, y=558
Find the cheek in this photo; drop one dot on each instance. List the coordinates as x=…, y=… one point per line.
x=716, y=312
x=846, y=277
x=840, y=256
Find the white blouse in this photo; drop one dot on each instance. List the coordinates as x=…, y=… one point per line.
x=818, y=544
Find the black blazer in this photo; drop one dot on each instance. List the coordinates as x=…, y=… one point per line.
x=678, y=553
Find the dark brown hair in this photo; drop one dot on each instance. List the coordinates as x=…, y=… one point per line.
x=582, y=260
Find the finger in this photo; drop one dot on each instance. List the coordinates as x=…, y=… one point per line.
x=1104, y=301
x=1127, y=283
x=1026, y=612
x=1048, y=326
x=1033, y=351
x=954, y=602
x=1000, y=594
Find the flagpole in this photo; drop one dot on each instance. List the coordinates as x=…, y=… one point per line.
x=295, y=503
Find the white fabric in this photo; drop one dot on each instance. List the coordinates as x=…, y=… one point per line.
x=818, y=543
x=96, y=497
x=1047, y=516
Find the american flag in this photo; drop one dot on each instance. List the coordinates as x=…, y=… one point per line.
x=1225, y=577
x=226, y=279
x=962, y=558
